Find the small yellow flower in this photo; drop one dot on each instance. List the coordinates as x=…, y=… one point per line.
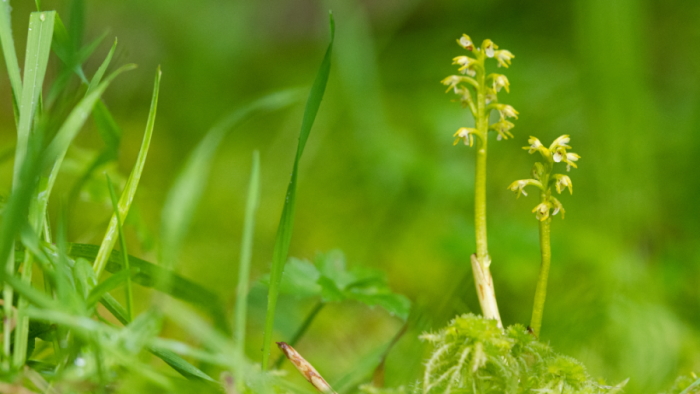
x=502, y=127
x=467, y=65
x=535, y=145
x=563, y=182
x=504, y=56
x=451, y=82
x=466, y=42
x=569, y=159
x=500, y=81
x=561, y=141
x=518, y=187
x=557, y=207
x=489, y=47
x=506, y=111
x=467, y=134
x=541, y=211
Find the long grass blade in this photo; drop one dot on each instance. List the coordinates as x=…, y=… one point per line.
x=8, y=51
x=107, y=285
x=35, y=63
x=131, y=185
x=125, y=255
x=148, y=274
x=97, y=78
x=284, y=231
x=244, y=266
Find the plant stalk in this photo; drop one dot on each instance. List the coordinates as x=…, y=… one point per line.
x=541, y=289
x=481, y=260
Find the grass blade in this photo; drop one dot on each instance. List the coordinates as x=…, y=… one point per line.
x=244, y=266
x=8, y=51
x=97, y=78
x=131, y=185
x=76, y=119
x=107, y=285
x=35, y=62
x=180, y=365
x=284, y=231
x=148, y=274
x=125, y=255
x=54, y=157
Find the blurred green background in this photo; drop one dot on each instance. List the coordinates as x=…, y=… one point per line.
x=381, y=180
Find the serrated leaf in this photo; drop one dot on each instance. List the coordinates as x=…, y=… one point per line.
x=396, y=304
x=329, y=290
x=300, y=279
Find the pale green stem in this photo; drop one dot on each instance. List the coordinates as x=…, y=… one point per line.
x=541, y=290
x=482, y=125
x=482, y=261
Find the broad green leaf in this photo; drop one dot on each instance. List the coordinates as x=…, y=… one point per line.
x=131, y=185
x=396, y=304
x=332, y=266
x=330, y=279
x=284, y=231
x=329, y=290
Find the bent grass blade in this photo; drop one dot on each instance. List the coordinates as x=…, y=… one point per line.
x=284, y=231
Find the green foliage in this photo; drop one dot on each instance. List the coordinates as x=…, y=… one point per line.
x=329, y=279
x=473, y=355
